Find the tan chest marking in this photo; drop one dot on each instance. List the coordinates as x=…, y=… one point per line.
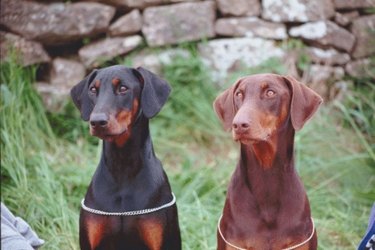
x=95, y=230
x=151, y=231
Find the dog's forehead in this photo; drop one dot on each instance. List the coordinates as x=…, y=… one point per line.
x=116, y=73
x=262, y=80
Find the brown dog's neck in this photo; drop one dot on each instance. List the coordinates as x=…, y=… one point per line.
x=269, y=188
x=264, y=165
x=275, y=153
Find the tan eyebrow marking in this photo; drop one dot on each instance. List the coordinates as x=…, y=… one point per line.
x=97, y=84
x=264, y=85
x=115, y=82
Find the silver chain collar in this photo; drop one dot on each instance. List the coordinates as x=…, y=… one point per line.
x=128, y=213
x=288, y=248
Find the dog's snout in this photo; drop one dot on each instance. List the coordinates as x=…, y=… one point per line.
x=240, y=125
x=99, y=120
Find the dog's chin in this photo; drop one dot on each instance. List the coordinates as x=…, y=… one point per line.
x=247, y=140
x=107, y=136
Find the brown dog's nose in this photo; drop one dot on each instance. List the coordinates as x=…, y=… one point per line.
x=99, y=120
x=240, y=126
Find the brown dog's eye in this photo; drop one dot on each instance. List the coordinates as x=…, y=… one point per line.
x=270, y=93
x=239, y=94
x=122, y=89
x=93, y=90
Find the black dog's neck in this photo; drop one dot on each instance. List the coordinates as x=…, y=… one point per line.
x=129, y=177
x=125, y=161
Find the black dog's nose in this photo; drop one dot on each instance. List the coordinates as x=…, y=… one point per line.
x=98, y=120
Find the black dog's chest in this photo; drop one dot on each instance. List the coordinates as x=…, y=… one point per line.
x=115, y=232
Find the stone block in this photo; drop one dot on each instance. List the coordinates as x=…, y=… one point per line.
x=239, y=7
x=155, y=61
x=250, y=26
x=321, y=77
x=344, y=19
x=327, y=57
x=94, y=54
x=354, y=4
x=66, y=72
x=178, y=23
x=128, y=24
x=363, y=28
x=55, y=23
x=225, y=55
x=361, y=68
x=27, y=52
x=297, y=10
x=325, y=33
x=54, y=97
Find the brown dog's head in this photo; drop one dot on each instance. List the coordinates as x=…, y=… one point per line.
x=257, y=106
x=112, y=99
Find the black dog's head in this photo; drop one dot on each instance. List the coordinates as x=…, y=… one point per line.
x=112, y=99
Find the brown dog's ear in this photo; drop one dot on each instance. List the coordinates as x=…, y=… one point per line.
x=224, y=106
x=80, y=97
x=304, y=103
x=155, y=92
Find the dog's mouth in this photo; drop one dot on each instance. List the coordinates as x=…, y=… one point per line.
x=249, y=140
x=107, y=135
x=246, y=141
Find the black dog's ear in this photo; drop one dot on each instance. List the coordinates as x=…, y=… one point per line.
x=80, y=97
x=154, y=94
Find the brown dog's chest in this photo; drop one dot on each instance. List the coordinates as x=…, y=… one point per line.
x=266, y=217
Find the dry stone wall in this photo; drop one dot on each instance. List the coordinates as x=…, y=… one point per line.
x=71, y=38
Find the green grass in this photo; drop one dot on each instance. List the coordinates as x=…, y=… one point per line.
x=46, y=167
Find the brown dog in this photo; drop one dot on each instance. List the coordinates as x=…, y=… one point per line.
x=266, y=207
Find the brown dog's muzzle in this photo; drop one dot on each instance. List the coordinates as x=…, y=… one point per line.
x=250, y=125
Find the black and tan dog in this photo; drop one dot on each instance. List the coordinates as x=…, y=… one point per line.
x=129, y=203
x=266, y=207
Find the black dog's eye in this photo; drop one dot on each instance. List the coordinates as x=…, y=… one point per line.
x=122, y=89
x=93, y=90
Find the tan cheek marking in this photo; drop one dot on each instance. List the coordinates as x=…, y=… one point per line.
x=95, y=230
x=135, y=107
x=265, y=152
x=269, y=122
x=121, y=139
x=125, y=118
x=123, y=121
x=284, y=112
x=151, y=231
